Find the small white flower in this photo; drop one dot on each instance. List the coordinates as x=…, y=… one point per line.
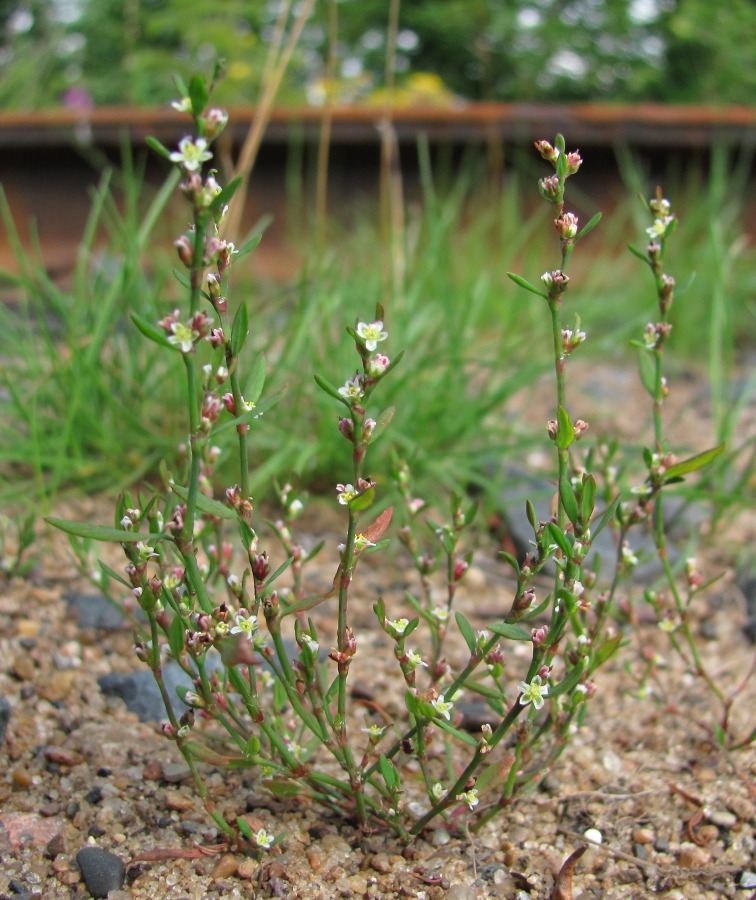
x=371, y=334
x=470, y=798
x=182, y=105
x=312, y=645
x=533, y=692
x=191, y=153
x=263, y=839
x=440, y=614
x=375, y=731
x=352, y=389
x=438, y=790
x=442, y=707
x=183, y=336
x=397, y=626
x=245, y=624
x=346, y=492
x=414, y=660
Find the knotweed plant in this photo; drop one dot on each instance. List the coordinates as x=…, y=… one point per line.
x=266, y=689
x=672, y=603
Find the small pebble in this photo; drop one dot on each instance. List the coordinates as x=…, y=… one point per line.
x=224, y=868
x=747, y=881
x=721, y=817
x=639, y=851
x=693, y=857
x=461, y=892
x=643, y=836
x=661, y=845
x=102, y=871
x=593, y=836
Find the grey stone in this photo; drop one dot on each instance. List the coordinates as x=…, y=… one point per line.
x=102, y=870
x=5, y=711
x=747, y=881
x=95, y=611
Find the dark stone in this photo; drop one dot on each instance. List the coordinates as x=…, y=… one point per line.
x=95, y=611
x=102, y=871
x=139, y=691
x=96, y=831
x=476, y=714
x=5, y=711
x=104, y=772
x=94, y=795
x=748, y=586
x=661, y=845
x=521, y=485
x=639, y=851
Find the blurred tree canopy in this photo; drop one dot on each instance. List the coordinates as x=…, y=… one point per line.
x=106, y=52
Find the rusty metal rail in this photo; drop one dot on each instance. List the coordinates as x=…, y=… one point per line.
x=641, y=125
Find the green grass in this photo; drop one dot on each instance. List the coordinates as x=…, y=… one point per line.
x=94, y=406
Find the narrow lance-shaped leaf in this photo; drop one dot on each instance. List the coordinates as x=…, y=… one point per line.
x=205, y=504
x=152, y=331
x=330, y=389
x=239, y=329
x=523, y=283
x=154, y=144
x=569, y=500
x=565, y=431
x=222, y=198
x=103, y=532
x=586, y=229
x=587, y=499
x=693, y=463
x=466, y=630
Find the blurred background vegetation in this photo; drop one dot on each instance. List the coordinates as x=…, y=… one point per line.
x=111, y=52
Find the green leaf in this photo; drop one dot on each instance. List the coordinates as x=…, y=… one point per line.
x=511, y=632
x=559, y=538
x=389, y=772
x=330, y=389
x=176, y=637
x=494, y=775
x=466, y=630
x=198, y=94
x=510, y=560
x=460, y=735
x=586, y=229
x=569, y=500
x=103, y=532
x=531, y=514
x=565, y=431
x=182, y=278
x=641, y=254
x=113, y=574
x=647, y=370
x=412, y=703
x=256, y=381
x=249, y=246
x=587, y=499
x=606, y=650
x=152, y=332
x=363, y=500
x=569, y=681
x=239, y=329
x=205, y=504
x=693, y=463
x=519, y=280
x=223, y=198
x=154, y=144
x=382, y=422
